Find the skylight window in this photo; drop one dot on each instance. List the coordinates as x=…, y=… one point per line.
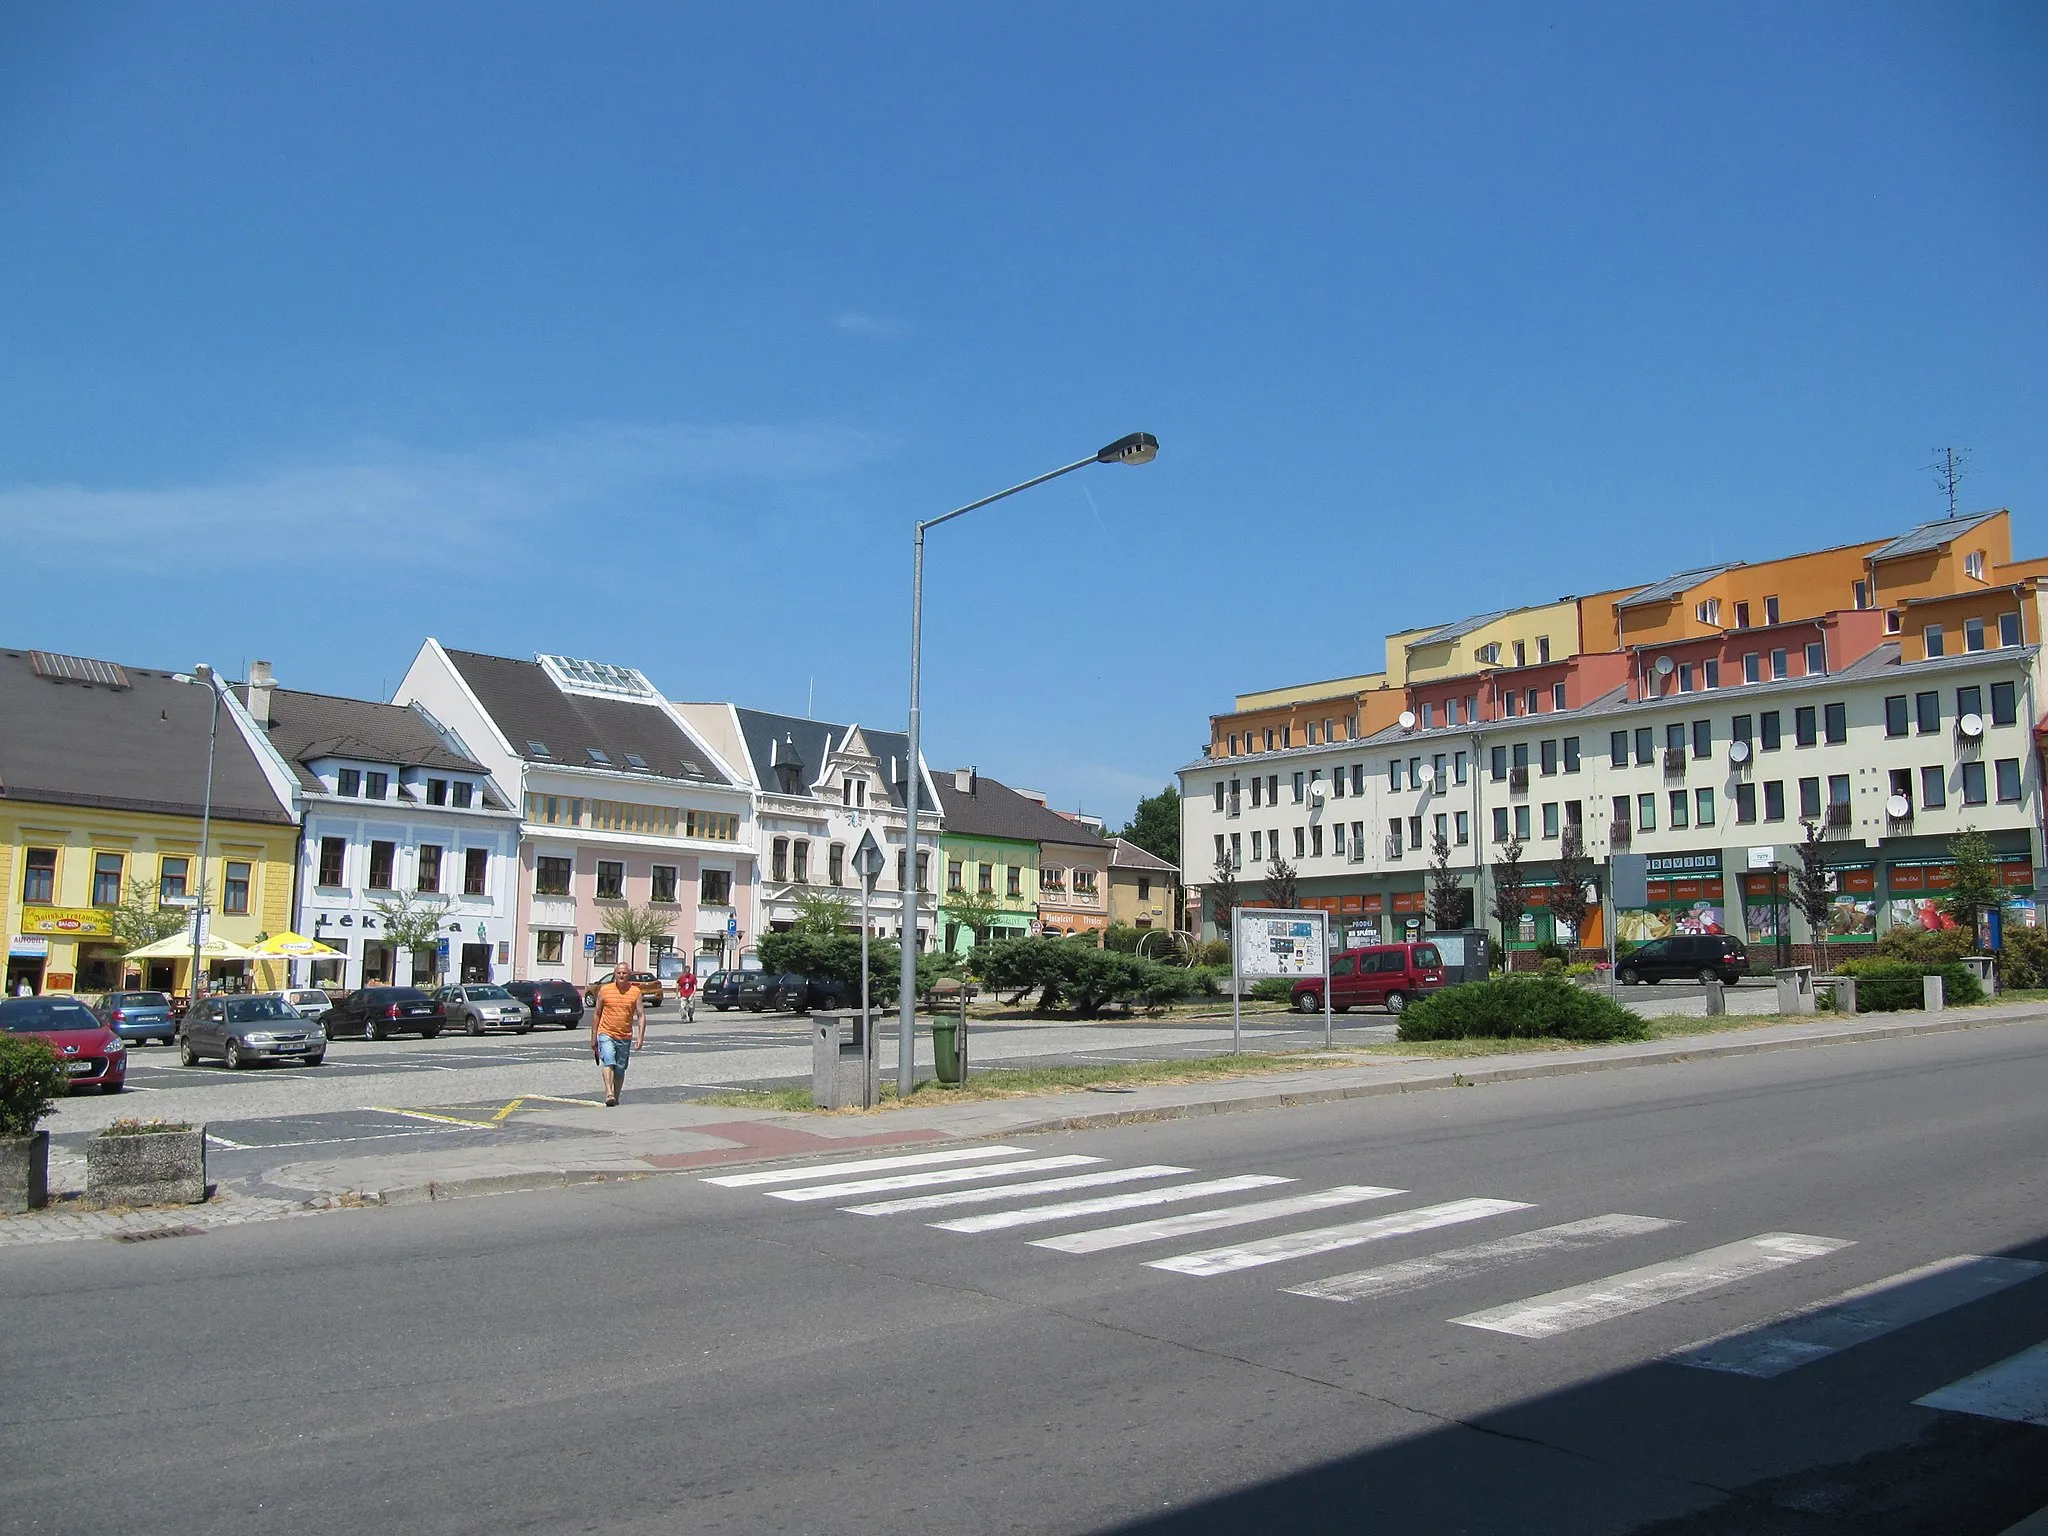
x=539, y=749
x=597, y=755
x=635, y=760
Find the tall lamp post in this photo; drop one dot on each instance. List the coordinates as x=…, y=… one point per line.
x=1138, y=448
x=203, y=674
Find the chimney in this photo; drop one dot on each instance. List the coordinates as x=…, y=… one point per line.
x=963, y=781
x=260, y=685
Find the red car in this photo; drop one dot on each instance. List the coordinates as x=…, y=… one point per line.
x=1389, y=975
x=93, y=1055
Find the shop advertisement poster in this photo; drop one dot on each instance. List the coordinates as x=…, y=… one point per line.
x=1764, y=921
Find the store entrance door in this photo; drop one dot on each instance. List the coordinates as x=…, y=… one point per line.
x=476, y=962
x=24, y=969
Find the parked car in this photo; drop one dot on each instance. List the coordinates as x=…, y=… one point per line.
x=548, y=1002
x=1685, y=957
x=721, y=989
x=93, y=1055
x=242, y=1031
x=789, y=991
x=652, y=993
x=313, y=1002
x=380, y=1011
x=479, y=1006
x=1383, y=975
x=137, y=1015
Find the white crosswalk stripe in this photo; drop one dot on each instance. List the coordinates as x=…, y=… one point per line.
x=1015, y=1191
x=996, y=1221
x=1636, y=1290
x=865, y=1165
x=1190, y=1222
x=1457, y=1263
x=929, y=1176
x=1298, y=1245
x=1868, y=1312
x=2016, y=1389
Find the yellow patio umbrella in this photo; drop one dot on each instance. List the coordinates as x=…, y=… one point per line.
x=295, y=946
x=179, y=947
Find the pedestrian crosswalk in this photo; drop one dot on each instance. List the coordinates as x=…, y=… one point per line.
x=992, y=1191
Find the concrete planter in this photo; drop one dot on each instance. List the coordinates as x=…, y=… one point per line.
x=24, y=1173
x=160, y=1168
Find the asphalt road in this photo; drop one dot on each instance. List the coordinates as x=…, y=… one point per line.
x=1493, y=1353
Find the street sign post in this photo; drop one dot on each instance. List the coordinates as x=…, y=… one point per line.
x=1267, y=942
x=868, y=864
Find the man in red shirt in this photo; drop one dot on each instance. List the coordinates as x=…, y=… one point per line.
x=686, y=989
x=617, y=1024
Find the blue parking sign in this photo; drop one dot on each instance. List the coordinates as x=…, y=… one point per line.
x=590, y=943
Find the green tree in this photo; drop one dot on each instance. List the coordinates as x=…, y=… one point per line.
x=1283, y=888
x=1510, y=893
x=1222, y=893
x=413, y=922
x=1155, y=825
x=977, y=912
x=1977, y=887
x=634, y=926
x=1446, y=891
x=1812, y=886
x=138, y=920
x=1568, y=902
x=824, y=911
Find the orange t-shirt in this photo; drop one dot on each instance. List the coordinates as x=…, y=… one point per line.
x=615, y=1010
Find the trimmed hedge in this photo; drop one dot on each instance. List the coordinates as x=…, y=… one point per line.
x=32, y=1080
x=1520, y=1007
x=1889, y=986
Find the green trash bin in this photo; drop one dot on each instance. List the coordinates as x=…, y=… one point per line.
x=946, y=1049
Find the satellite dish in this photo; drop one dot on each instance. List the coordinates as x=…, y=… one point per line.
x=1665, y=667
x=1898, y=807
x=1407, y=719
x=1738, y=751
x=1971, y=725
x=1426, y=773
x=1317, y=790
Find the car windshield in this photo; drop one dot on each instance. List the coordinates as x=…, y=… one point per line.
x=42, y=1015
x=488, y=994
x=247, y=1010
x=138, y=1000
x=299, y=998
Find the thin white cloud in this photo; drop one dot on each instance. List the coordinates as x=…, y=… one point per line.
x=857, y=322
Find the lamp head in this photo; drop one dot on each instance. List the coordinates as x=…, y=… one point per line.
x=202, y=672
x=1138, y=448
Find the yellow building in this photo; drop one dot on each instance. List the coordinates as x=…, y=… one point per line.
x=102, y=782
x=1141, y=887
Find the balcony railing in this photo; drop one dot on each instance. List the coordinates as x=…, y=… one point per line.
x=1518, y=780
x=1393, y=848
x=1232, y=807
x=1837, y=814
x=1358, y=852
x=1619, y=834
x=1674, y=761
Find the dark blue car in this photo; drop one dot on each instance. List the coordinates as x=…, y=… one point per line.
x=137, y=1015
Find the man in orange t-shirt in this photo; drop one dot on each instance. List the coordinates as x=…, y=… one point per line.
x=617, y=1023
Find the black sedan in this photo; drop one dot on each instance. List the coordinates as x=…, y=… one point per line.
x=549, y=1002
x=789, y=991
x=376, y=1012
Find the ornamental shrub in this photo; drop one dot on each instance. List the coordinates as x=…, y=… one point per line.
x=32, y=1080
x=1888, y=986
x=1942, y=946
x=2024, y=960
x=1520, y=1007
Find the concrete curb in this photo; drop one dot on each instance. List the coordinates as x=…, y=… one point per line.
x=483, y=1184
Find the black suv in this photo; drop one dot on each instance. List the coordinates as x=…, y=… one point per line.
x=381, y=1011
x=721, y=989
x=789, y=992
x=1684, y=957
x=550, y=1002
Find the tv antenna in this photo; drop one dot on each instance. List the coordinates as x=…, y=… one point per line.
x=1948, y=472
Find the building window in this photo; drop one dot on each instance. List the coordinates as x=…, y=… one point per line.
x=2009, y=629
x=381, y=859
x=800, y=861
x=547, y=946
x=1927, y=708
x=1014, y=875
x=437, y=791
x=1646, y=739
x=1550, y=822
x=1703, y=807
x=1547, y=757
x=714, y=888
x=1685, y=677
x=106, y=879
x=1534, y=695
x=1752, y=668
x=1973, y=565
x=1617, y=749
x=1646, y=812
x=333, y=861
x=1497, y=765
x=1838, y=789
x=1702, y=738
x=550, y=876
x=1557, y=695
x=1862, y=594
x=1500, y=823
x=1816, y=658
x=1315, y=840
x=1507, y=704
x=1933, y=788
x=1835, y=723
x=348, y=783
x=1219, y=797
x=1621, y=812
x=1711, y=672
x=1969, y=701
x=835, y=864
x=1679, y=818
x=1255, y=791
x=611, y=879
x=1742, y=615
x=1739, y=729
x=986, y=879
x=1770, y=610
x=662, y=886
x=953, y=874
x=1973, y=634
x=1809, y=798
x=1674, y=736
x=1236, y=856
x=234, y=889
x=1571, y=756
x=463, y=792
x=1780, y=665
x=1771, y=734
x=376, y=786
x=1286, y=737
x=1084, y=884
x=1745, y=802
x=39, y=876
x=2008, y=779
x=1144, y=887
x=476, y=863
x=606, y=951
x=1895, y=715
x=174, y=870
x=778, y=865
x=1774, y=800
x=1300, y=848
x=1297, y=788
x=1933, y=638
x=430, y=867
x=1462, y=822
x=2002, y=710
x=1805, y=722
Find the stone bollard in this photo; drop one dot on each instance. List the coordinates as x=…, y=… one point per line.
x=1932, y=997
x=1845, y=995
x=1795, y=989
x=1717, y=998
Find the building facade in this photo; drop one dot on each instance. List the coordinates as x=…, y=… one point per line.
x=1142, y=887
x=989, y=884
x=103, y=772
x=622, y=806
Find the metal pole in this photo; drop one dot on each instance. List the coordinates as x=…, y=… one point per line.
x=867, y=887
x=906, y=944
x=1328, y=1038
x=205, y=834
x=1236, y=988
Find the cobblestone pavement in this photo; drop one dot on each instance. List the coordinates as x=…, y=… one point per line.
x=70, y=1219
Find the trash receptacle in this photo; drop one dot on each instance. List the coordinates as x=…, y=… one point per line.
x=1795, y=988
x=842, y=1060
x=1984, y=969
x=946, y=1050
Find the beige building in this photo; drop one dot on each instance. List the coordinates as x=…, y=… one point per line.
x=1141, y=887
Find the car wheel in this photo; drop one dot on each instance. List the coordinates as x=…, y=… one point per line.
x=431, y=1034
x=1397, y=1002
x=1308, y=1002
x=1707, y=974
x=475, y=1025
x=315, y=1059
x=372, y=1030
x=187, y=1057
x=1340, y=1007
x=522, y=1029
x=114, y=1087
x=1627, y=976
x=231, y=1056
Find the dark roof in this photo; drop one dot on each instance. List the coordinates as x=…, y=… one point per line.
x=1672, y=587
x=308, y=726
x=1929, y=537
x=1457, y=631
x=1128, y=855
x=996, y=810
x=530, y=709
x=141, y=747
x=773, y=740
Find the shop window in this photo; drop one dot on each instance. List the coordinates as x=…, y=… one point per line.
x=551, y=876
x=662, y=885
x=333, y=861
x=39, y=876
x=476, y=863
x=381, y=858
x=234, y=889
x=430, y=867
x=106, y=879
x=611, y=880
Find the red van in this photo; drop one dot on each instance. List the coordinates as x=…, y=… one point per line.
x=1386, y=974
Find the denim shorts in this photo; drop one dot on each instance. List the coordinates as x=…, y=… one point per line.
x=614, y=1051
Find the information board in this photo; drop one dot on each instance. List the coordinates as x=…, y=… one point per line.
x=1288, y=945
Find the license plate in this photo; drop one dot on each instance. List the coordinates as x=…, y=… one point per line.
x=289, y=1050
x=78, y=1068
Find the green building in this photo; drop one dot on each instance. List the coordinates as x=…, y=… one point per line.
x=988, y=860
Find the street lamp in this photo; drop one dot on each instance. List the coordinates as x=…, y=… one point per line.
x=203, y=675
x=1137, y=448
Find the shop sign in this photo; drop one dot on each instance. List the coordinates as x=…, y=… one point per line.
x=70, y=922
x=2018, y=873
x=23, y=948
x=1409, y=901
x=1761, y=885
x=1860, y=881
x=1685, y=863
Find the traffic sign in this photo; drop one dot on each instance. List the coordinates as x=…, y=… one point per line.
x=868, y=861
x=732, y=927
x=590, y=943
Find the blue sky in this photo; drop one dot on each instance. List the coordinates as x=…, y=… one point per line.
x=644, y=332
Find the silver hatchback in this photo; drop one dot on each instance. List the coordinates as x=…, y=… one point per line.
x=483, y=1006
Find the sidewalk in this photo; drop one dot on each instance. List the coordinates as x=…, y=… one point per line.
x=590, y=1144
